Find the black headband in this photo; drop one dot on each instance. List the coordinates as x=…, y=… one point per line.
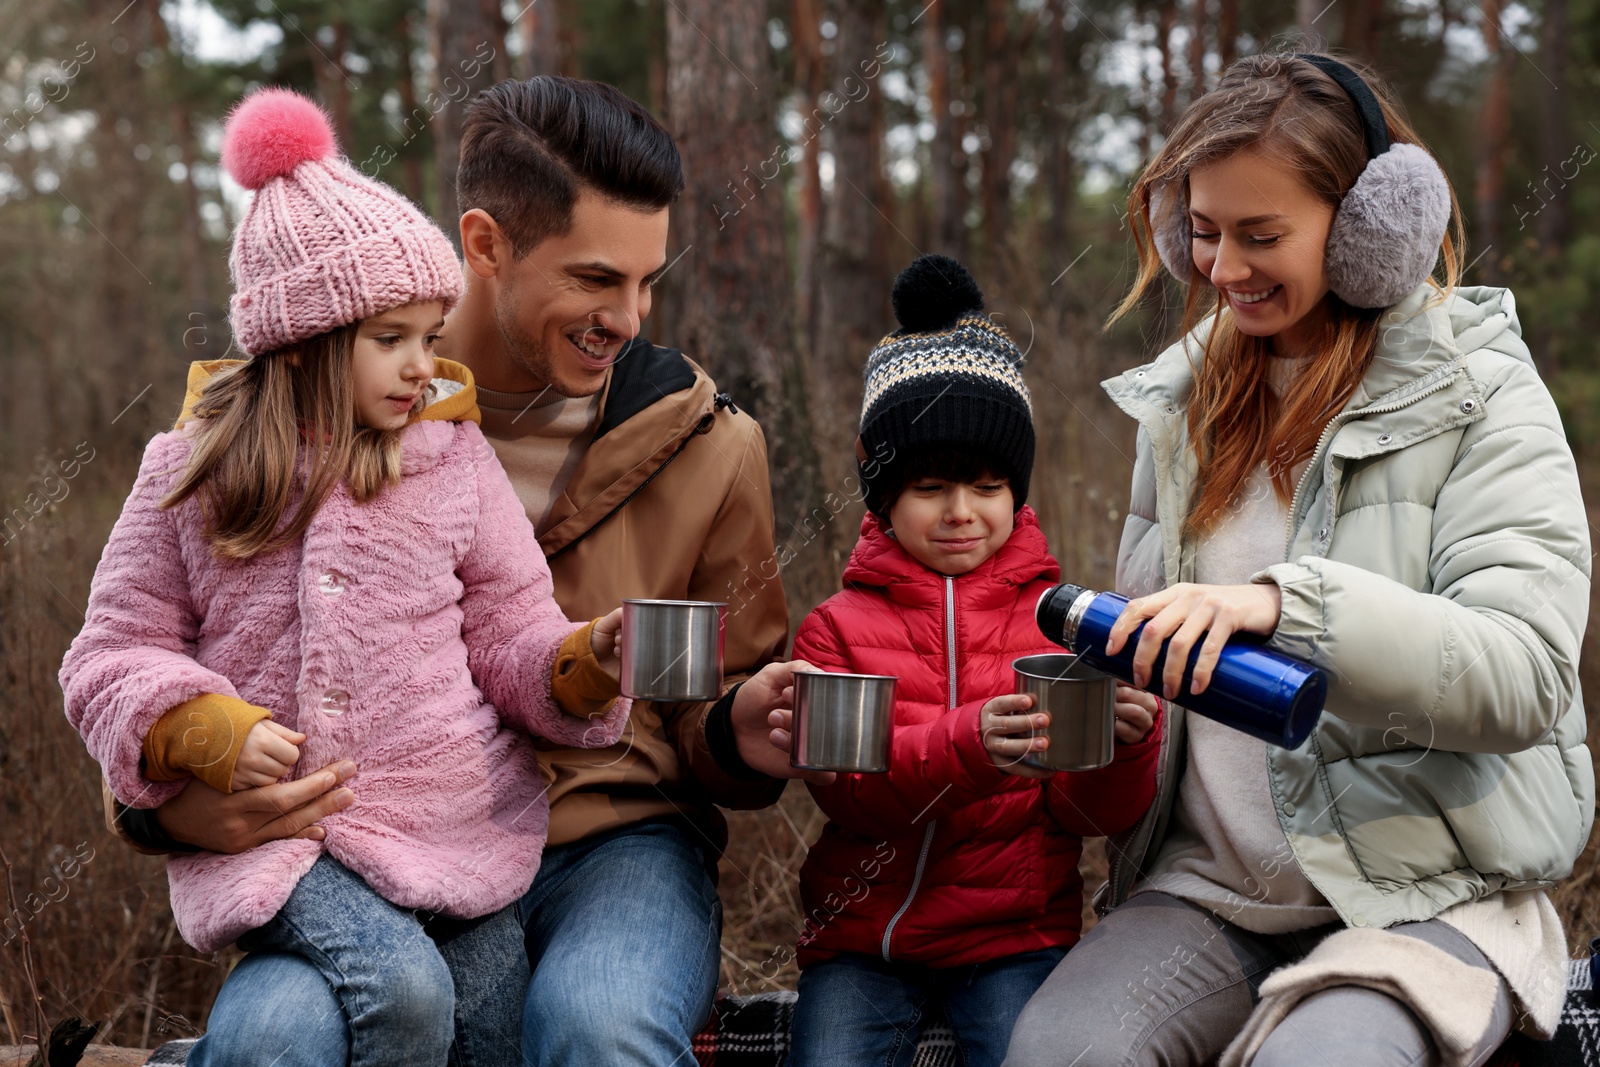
x=1372, y=120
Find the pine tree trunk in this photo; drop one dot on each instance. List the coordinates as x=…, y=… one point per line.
x=1001, y=56
x=196, y=276
x=945, y=178
x=806, y=24
x=1227, y=31
x=1495, y=123
x=1060, y=178
x=412, y=123
x=111, y=206
x=466, y=39
x=333, y=81
x=854, y=290
x=1166, y=19
x=1554, y=136
x=548, y=41
x=1361, y=22
x=1305, y=16
x=732, y=274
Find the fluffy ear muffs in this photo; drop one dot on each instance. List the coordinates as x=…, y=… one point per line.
x=1171, y=229
x=1385, y=236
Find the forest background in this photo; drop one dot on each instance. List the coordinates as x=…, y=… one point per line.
x=827, y=143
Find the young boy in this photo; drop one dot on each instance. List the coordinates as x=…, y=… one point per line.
x=950, y=881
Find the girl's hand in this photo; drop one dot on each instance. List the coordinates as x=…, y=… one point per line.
x=1184, y=612
x=1006, y=733
x=1136, y=713
x=604, y=639
x=268, y=753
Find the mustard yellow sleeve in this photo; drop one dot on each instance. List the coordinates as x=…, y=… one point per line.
x=580, y=685
x=201, y=737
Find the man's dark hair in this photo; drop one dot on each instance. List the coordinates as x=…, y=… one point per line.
x=528, y=148
x=950, y=463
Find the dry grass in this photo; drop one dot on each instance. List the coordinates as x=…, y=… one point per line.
x=98, y=922
x=106, y=948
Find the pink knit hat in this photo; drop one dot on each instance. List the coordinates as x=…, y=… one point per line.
x=321, y=245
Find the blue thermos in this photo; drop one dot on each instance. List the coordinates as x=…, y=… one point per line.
x=1264, y=693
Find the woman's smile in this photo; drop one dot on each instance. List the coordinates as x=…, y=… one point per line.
x=1246, y=299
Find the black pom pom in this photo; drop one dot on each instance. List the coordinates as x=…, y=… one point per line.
x=933, y=293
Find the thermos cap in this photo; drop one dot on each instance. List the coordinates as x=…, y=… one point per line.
x=1075, y=613
x=1060, y=610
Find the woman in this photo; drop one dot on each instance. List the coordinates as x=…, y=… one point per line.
x=1361, y=464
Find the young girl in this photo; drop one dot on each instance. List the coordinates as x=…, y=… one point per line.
x=944, y=883
x=1361, y=464
x=328, y=562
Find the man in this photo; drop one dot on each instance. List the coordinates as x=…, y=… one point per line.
x=641, y=481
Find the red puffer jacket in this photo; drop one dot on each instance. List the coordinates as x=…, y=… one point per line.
x=945, y=860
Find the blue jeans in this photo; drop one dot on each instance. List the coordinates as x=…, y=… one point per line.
x=858, y=1009
x=277, y=1008
x=623, y=934
x=391, y=988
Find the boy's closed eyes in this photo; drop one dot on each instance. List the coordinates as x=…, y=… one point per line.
x=950, y=526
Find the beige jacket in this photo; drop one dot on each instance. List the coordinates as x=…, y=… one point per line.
x=671, y=501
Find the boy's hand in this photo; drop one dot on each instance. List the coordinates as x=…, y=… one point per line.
x=604, y=639
x=1136, y=713
x=268, y=753
x=1007, y=731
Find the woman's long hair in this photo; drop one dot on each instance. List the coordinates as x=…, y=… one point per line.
x=1295, y=114
x=279, y=423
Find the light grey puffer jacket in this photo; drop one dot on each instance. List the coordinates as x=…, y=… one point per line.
x=1438, y=571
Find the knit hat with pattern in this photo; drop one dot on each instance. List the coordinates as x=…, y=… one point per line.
x=321, y=245
x=950, y=377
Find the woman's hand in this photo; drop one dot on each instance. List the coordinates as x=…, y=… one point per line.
x=1007, y=733
x=1184, y=612
x=605, y=642
x=1136, y=713
x=269, y=750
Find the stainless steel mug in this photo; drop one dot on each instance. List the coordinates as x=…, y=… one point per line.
x=1080, y=701
x=672, y=649
x=842, y=722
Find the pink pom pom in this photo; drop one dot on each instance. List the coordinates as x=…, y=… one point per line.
x=270, y=133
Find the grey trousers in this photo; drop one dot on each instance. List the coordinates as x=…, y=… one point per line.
x=1161, y=981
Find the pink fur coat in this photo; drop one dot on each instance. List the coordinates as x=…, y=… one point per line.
x=406, y=634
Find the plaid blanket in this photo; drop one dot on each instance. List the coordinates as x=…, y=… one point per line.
x=753, y=1031
x=1577, y=1040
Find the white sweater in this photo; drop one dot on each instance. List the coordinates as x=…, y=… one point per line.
x=1226, y=850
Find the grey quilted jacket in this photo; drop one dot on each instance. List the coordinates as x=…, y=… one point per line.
x=1439, y=572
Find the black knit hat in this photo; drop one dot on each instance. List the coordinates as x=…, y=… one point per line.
x=949, y=377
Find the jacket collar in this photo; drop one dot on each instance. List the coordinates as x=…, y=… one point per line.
x=643, y=374
x=880, y=561
x=654, y=401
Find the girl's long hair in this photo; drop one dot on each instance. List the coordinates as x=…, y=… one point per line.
x=1293, y=113
x=281, y=423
